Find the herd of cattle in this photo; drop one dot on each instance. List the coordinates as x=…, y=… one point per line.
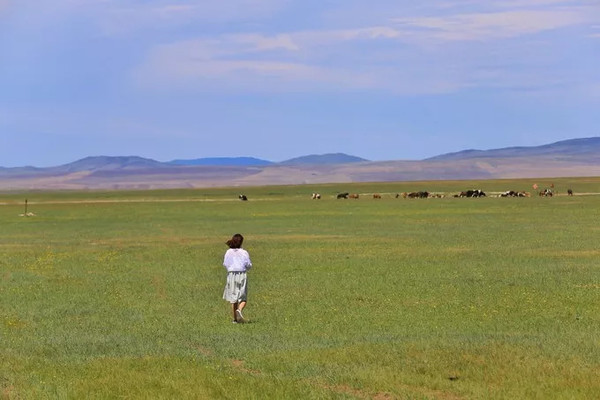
x=466, y=193
x=410, y=195
x=425, y=194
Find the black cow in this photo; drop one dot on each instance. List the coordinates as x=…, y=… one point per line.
x=343, y=195
x=416, y=195
x=243, y=197
x=472, y=193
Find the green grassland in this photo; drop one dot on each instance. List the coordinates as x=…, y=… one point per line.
x=118, y=294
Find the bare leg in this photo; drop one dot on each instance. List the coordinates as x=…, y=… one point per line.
x=233, y=308
x=240, y=307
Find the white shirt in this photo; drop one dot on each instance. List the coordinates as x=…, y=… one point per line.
x=237, y=260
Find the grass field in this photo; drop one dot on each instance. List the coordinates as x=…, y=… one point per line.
x=118, y=294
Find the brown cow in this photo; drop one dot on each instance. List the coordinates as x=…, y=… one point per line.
x=418, y=195
x=376, y=196
x=354, y=196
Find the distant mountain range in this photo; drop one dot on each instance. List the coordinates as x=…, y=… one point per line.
x=588, y=147
x=223, y=161
x=314, y=159
x=105, y=163
x=325, y=159
x=576, y=157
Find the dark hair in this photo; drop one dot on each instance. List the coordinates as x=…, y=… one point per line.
x=235, y=242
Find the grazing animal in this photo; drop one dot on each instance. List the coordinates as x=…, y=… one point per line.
x=316, y=196
x=354, y=196
x=512, y=193
x=546, y=193
x=343, y=195
x=243, y=197
x=472, y=193
x=416, y=195
x=376, y=196
x=569, y=192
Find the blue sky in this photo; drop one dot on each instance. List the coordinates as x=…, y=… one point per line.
x=277, y=79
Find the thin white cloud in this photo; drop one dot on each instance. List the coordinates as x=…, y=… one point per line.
x=118, y=18
x=231, y=64
x=211, y=66
x=513, y=5
x=538, y=3
x=258, y=43
x=490, y=26
x=423, y=50
x=395, y=58
x=226, y=46
x=335, y=37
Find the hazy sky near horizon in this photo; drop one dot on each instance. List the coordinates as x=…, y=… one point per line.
x=278, y=79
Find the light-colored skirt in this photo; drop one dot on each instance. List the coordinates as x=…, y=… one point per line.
x=236, y=288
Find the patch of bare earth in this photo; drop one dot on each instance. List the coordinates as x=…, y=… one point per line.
x=159, y=285
x=240, y=366
x=205, y=351
x=9, y=392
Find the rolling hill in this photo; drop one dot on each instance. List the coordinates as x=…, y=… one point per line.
x=238, y=161
x=323, y=159
x=587, y=148
x=576, y=157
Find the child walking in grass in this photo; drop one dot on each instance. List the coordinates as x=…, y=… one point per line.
x=237, y=262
